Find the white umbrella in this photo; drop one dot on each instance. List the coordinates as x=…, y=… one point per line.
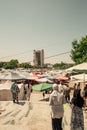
x=29, y=76
x=82, y=66
x=43, y=80
x=82, y=77
x=12, y=76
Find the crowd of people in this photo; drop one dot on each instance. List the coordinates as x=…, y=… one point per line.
x=25, y=94
x=60, y=96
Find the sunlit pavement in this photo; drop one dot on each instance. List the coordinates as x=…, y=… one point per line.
x=32, y=115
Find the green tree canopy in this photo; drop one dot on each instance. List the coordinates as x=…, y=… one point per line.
x=11, y=65
x=25, y=65
x=79, y=50
x=62, y=65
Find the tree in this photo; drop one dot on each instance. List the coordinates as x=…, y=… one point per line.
x=1, y=64
x=11, y=65
x=25, y=65
x=79, y=50
x=62, y=65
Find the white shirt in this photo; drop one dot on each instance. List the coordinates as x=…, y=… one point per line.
x=56, y=101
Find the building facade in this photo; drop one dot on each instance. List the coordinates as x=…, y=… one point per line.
x=38, y=58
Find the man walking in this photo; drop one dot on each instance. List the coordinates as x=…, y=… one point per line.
x=15, y=90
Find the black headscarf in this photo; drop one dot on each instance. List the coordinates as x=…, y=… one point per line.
x=77, y=100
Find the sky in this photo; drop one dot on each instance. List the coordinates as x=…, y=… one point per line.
x=52, y=25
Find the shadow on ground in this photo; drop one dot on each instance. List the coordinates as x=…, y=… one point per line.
x=45, y=99
x=21, y=103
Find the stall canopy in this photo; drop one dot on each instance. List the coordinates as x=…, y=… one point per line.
x=61, y=77
x=81, y=77
x=80, y=68
x=42, y=87
x=12, y=76
x=43, y=80
x=7, y=85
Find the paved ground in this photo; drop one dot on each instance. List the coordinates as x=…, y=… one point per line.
x=33, y=115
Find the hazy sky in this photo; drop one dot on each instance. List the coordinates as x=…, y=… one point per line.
x=51, y=25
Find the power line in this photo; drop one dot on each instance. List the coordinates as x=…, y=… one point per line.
x=57, y=55
x=20, y=53
x=31, y=50
x=15, y=54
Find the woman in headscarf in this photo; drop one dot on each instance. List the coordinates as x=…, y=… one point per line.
x=56, y=101
x=77, y=118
